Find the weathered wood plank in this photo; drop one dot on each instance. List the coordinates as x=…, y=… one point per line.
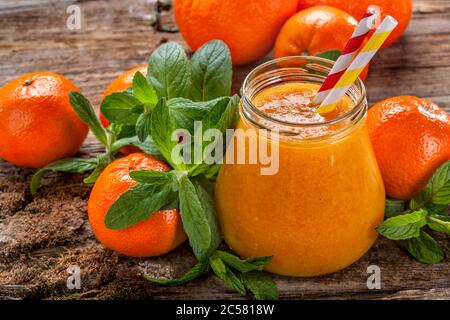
x=41, y=237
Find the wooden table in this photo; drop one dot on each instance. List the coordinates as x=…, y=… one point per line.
x=41, y=237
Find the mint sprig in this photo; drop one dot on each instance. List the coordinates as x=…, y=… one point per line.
x=427, y=210
x=193, y=97
x=176, y=96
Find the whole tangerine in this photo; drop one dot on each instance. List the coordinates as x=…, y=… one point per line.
x=248, y=27
x=411, y=139
x=157, y=235
x=401, y=10
x=315, y=30
x=37, y=121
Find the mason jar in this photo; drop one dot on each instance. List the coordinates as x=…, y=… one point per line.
x=317, y=211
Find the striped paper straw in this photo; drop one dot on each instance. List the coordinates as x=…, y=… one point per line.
x=349, y=52
x=358, y=64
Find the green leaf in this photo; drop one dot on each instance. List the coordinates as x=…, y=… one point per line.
x=404, y=226
x=103, y=161
x=169, y=71
x=224, y=273
x=261, y=285
x=71, y=165
x=332, y=55
x=194, y=217
x=424, y=248
x=211, y=71
x=148, y=146
x=143, y=124
x=439, y=223
x=153, y=177
x=84, y=110
x=205, y=194
x=247, y=265
x=195, y=272
x=437, y=190
x=161, y=129
x=123, y=108
x=393, y=207
x=183, y=112
x=220, y=116
x=138, y=204
x=437, y=208
x=143, y=90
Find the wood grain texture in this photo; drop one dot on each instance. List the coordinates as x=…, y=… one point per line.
x=41, y=237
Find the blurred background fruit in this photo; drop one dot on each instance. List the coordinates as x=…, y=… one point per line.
x=38, y=124
x=399, y=9
x=157, y=235
x=120, y=84
x=248, y=27
x=315, y=30
x=411, y=139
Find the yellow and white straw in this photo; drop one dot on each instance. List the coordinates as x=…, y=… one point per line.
x=357, y=66
x=348, y=53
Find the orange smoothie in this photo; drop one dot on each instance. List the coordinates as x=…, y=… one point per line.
x=319, y=212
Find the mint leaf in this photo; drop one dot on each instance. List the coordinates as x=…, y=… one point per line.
x=332, y=55
x=424, y=248
x=143, y=124
x=194, y=217
x=153, y=177
x=161, y=129
x=224, y=273
x=211, y=71
x=404, y=226
x=437, y=208
x=220, y=116
x=71, y=165
x=143, y=90
x=123, y=108
x=183, y=112
x=102, y=162
x=147, y=146
x=169, y=71
x=84, y=110
x=437, y=190
x=195, y=272
x=247, y=265
x=439, y=223
x=261, y=285
x=205, y=194
x=138, y=204
x=393, y=207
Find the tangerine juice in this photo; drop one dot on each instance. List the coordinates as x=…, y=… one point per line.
x=319, y=212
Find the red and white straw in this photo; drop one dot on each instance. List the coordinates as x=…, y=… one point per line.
x=349, y=52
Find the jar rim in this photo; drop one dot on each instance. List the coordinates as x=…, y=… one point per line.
x=247, y=101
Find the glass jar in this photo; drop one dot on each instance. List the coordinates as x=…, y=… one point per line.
x=319, y=212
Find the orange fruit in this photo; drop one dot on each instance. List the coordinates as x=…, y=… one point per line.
x=38, y=124
x=411, y=139
x=315, y=30
x=122, y=83
x=248, y=27
x=399, y=9
x=157, y=235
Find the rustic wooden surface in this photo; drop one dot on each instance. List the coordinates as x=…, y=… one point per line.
x=41, y=237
